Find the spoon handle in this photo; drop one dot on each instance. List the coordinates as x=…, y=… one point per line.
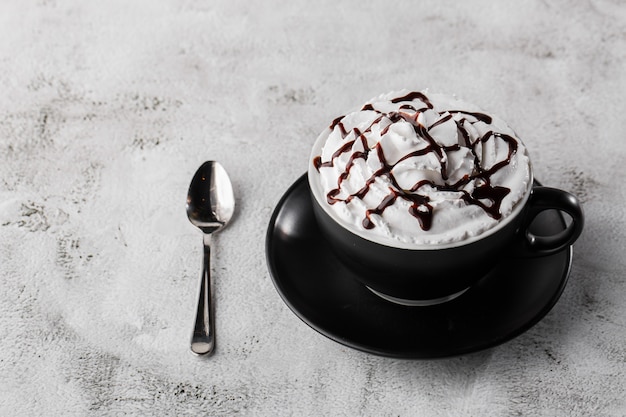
x=203, y=339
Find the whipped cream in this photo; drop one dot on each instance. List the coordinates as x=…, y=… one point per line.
x=413, y=168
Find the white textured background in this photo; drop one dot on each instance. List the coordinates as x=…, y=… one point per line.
x=107, y=109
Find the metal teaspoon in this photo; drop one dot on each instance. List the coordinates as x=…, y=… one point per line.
x=210, y=205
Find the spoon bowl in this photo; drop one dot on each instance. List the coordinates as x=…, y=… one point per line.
x=210, y=201
x=210, y=206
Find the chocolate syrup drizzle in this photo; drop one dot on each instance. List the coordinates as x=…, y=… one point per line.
x=420, y=207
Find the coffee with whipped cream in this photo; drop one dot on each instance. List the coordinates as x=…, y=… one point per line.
x=414, y=169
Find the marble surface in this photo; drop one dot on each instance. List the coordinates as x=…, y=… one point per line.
x=108, y=108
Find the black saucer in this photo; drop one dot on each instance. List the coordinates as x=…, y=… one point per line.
x=324, y=293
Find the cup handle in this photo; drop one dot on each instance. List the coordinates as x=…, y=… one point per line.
x=546, y=198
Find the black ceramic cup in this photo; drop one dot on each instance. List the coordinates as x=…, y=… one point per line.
x=432, y=274
x=403, y=265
